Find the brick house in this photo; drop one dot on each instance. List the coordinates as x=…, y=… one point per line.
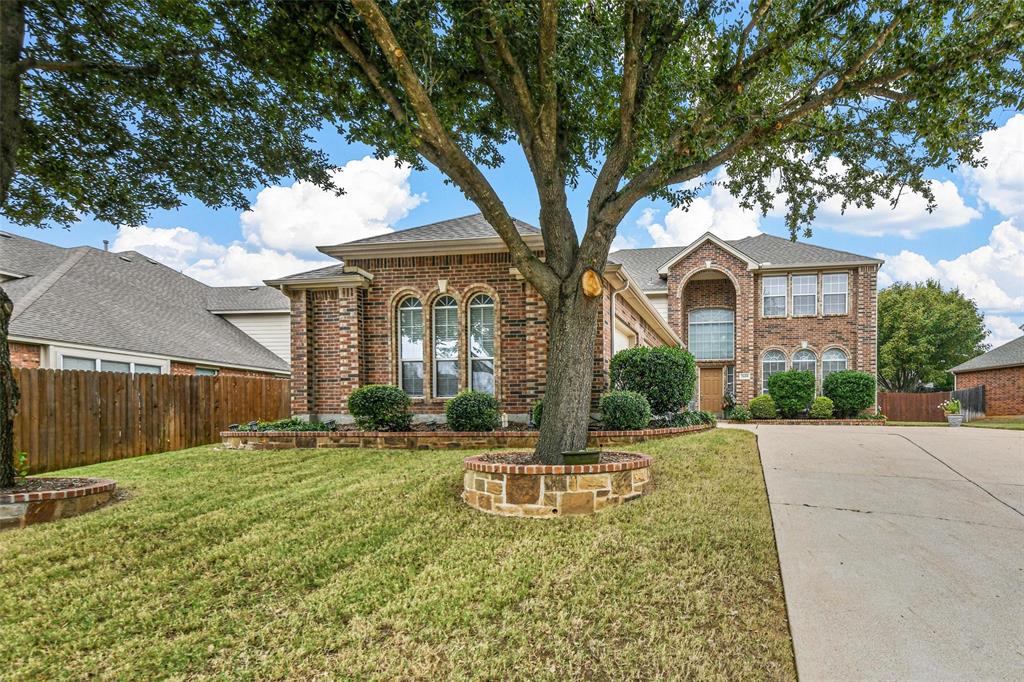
x=1001, y=372
x=440, y=308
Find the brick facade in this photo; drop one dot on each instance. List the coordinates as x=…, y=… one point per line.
x=25, y=355
x=188, y=369
x=1004, y=389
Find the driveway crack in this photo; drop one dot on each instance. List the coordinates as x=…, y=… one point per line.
x=892, y=513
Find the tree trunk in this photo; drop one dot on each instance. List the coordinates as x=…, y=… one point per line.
x=9, y=396
x=572, y=333
x=12, y=37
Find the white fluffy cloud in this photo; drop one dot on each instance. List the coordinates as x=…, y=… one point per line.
x=993, y=274
x=1001, y=329
x=173, y=246
x=300, y=217
x=719, y=212
x=238, y=266
x=1000, y=184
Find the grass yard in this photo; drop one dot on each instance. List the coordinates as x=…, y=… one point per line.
x=1014, y=423
x=364, y=564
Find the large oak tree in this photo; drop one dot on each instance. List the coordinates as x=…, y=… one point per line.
x=801, y=99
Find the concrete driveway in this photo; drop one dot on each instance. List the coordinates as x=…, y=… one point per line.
x=902, y=549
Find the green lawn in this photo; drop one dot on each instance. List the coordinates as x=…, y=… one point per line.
x=1015, y=423
x=364, y=564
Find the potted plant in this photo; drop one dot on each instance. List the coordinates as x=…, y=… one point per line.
x=952, y=409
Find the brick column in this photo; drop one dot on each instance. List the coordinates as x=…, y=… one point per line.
x=746, y=351
x=301, y=397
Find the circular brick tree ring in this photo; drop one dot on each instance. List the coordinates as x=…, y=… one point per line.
x=502, y=484
x=20, y=509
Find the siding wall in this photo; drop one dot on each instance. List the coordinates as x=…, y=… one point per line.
x=268, y=329
x=660, y=303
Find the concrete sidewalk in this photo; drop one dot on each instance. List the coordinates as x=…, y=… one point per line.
x=902, y=549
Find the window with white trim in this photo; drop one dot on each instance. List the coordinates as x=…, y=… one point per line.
x=730, y=380
x=805, y=295
x=832, y=360
x=75, y=362
x=711, y=334
x=773, y=362
x=773, y=296
x=805, y=361
x=481, y=343
x=446, y=347
x=205, y=371
x=107, y=365
x=410, y=346
x=834, y=288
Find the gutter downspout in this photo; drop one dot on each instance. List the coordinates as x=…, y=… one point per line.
x=611, y=312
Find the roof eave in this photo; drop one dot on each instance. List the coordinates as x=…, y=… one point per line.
x=767, y=267
x=425, y=247
x=960, y=369
x=707, y=236
x=646, y=310
x=351, y=276
x=245, y=311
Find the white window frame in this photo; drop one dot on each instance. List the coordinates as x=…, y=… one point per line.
x=211, y=371
x=814, y=294
x=454, y=305
x=825, y=293
x=764, y=360
x=55, y=358
x=783, y=295
x=824, y=359
x=689, y=335
x=398, y=340
x=814, y=361
x=470, y=357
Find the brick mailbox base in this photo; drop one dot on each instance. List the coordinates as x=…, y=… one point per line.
x=547, y=491
x=18, y=510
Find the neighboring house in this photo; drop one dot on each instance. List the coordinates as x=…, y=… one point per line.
x=83, y=308
x=1001, y=372
x=440, y=308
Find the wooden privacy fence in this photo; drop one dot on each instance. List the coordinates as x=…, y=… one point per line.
x=68, y=418
x=972, y=402
x=913, y=407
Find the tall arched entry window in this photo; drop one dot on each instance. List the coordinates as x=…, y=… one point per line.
x=446, y=347
x=410, y=346
x=481, y=343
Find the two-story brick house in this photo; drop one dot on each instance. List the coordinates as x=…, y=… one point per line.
x=440, y=308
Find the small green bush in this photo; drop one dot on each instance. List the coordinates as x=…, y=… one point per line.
x=665, y=376
x=728, y=404
x=740, y=414
x=536, y=412
x=850, y=391
x=821, y=408
x=291, y=424
x=625, y=410
x=792, y=391
x=472, y=411
x=377, y=407
x=763, y=407
x=686, y=418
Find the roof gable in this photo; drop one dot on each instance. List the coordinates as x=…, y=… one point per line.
x=707, y=237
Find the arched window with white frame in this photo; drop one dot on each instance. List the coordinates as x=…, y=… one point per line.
x=833, y=360
x=773, y=362
x=805, y=361
x=446, y=347
x=481, y=343
x=410, y=346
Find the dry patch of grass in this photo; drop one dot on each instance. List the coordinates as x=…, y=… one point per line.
x=365, y=564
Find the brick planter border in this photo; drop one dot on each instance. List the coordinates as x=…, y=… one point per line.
x=429, y=440
x=18, y=510
x=548, y=491
x=814, y=422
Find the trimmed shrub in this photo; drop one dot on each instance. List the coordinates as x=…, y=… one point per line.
x=377, y=407
x=665, y=376
x=625, y=410
x=536, y=412
x=821, y=408
x=472, y=411
x=792, y=391
x=293, y=424
x=763, y=407
x=740, y=414
x=850, y=391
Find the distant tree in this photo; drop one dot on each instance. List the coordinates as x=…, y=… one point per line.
x=923, y=331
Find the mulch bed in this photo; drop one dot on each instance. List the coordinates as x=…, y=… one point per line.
x=38, y=485
x=528, y=458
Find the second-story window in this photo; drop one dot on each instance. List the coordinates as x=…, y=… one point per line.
x=446, y=347
x=834, y=293
x=410, y=346
x=481, y=343
x=773, y=296
x=805, y=294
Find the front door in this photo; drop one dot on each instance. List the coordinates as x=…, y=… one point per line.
x=711, y=389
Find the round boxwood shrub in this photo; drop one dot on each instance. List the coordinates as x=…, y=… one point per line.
x=472, y=411
x=740, y=414
x=665, y=376
x=377, y=407
x=821, y=408
x=792, y=391
x=850, y=391
x=763, y=407
x=536, y=412
x=625, y=410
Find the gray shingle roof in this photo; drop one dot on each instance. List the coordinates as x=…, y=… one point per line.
x=123, y=301
x=335, y=270
x=467, y=227
x=642, y=265
x=226, y=299
x=1007, y=355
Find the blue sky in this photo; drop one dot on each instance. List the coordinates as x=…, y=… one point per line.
x=974, y=240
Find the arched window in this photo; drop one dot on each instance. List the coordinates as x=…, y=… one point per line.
x=446, y=347
x=481, y=343
x=832, y=360
x=774, y=361
x=410, y=346
x=805, y=361
x=711, y=334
